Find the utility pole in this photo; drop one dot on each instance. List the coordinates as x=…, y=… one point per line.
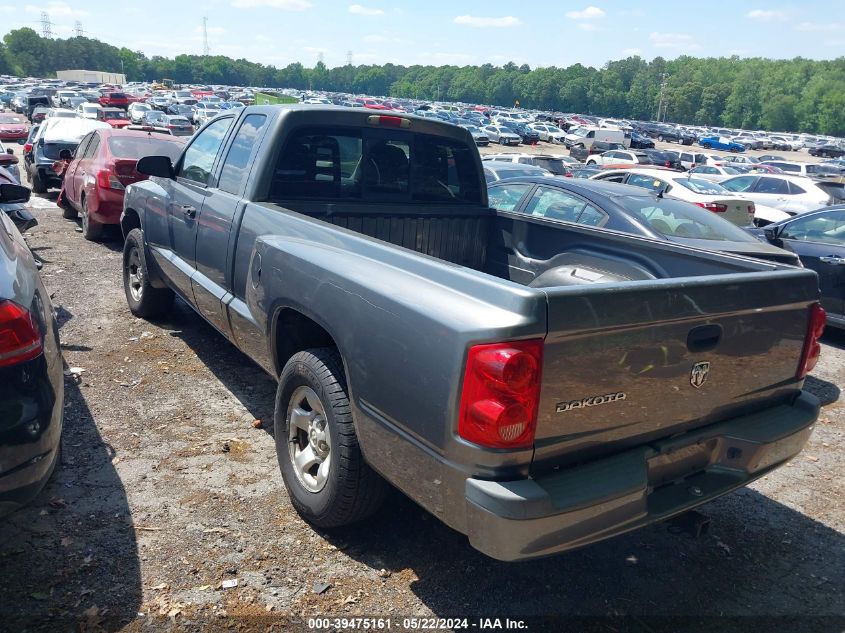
x=205, y=49
x=660, y=109
x=46, y=25
x=77, y=29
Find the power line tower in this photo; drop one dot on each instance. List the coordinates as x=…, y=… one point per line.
x=77, y=29
x=348, y=58
x=321, y=58
x=660, y=104
x=46, y=25
x=205, y=49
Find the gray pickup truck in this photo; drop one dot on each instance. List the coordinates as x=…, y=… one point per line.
x=536, y=387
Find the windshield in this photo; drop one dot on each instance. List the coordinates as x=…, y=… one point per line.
x=138, y=146
x=10, y=118
x=699, y=185
x=554, y=165
x=183, y=93
x=678, y=219
x=118, y=114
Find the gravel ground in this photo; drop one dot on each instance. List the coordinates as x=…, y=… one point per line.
x=170, y=488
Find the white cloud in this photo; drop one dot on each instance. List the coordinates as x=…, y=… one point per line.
x=587, y=26
x=287, y=5
x=764, y=14
x=630, y=52
x=815, y=26
x=673, y=40
x=362, y=10
x=590, y=13
x=56, y=9
x=484, y=23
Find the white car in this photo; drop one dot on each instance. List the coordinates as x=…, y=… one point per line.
x=548, y=132
x=502, y=135
x=88, y=110
x=619, y=157
x=60, y=113
x=204, y=115
x=136, y=111
x=813, y=170
x=715, y=173
x=793, y=194
x=556, y=164
x=742, y=160
x=703, y=193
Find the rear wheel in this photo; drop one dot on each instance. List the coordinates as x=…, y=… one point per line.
x=324, y=471
x=660, y=137
x=68, y=212
x=91, y=230
x=38, y=184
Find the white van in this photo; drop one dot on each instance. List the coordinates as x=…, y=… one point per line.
x=587, y=135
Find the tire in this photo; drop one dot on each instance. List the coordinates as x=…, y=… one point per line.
x=91, y=231
x=68, y=212
x=346, y=489
x=660, y=137
x=706, y=145
x=144, y=300
x=38, y=184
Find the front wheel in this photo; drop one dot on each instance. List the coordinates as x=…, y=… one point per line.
x=324, y=471
x=38, y=184
x=144, y=300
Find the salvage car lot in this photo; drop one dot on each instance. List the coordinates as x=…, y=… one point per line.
x=168, y=489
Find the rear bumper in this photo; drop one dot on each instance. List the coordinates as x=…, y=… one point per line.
x=109, y=206
x=529, y=518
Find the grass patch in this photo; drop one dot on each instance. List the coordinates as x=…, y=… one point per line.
x=262, y=98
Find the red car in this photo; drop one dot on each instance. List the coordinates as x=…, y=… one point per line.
x=104, y=165
x=12, y=127
x=114, y=100
x=115, y=117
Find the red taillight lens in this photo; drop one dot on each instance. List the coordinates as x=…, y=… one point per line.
x=27, y=148
x=107, y=180
x=712, y=206
x=19, y=337
x=501, y=394
x=812, y=349
x=389, y=121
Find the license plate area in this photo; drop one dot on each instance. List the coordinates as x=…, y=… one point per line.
x=668, y=468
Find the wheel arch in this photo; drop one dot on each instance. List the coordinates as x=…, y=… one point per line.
x=293, y=331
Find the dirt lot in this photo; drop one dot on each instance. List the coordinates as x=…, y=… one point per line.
x=168, y=490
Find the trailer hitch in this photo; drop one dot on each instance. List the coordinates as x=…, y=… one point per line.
x=692, y=524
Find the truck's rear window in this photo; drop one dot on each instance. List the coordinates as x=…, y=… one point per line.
x=348, y=164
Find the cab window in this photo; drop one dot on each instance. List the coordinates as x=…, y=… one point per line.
x=199, y=157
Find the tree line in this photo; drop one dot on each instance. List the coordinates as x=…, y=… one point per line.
x=795, y=95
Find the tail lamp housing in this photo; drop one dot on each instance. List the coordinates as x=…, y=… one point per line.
x=812, y=348
x=108, y=180
x=715, y=207
x=501, y=394
x=20, y=338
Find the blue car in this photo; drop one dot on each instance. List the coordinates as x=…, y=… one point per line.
x=721, y=143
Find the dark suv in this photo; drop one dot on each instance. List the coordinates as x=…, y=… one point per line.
x=579, y=152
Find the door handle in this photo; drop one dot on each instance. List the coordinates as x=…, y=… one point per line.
x=189, y=211
x=832, y=260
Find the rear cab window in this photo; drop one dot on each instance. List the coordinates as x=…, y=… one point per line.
x=375, y=165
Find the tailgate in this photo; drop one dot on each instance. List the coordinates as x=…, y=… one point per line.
x=631, y=363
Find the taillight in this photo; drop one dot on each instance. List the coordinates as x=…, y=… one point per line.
x=501, y=394
x=715, y=207
x=19, y=336
x=27, y=148
x=107, y=180
x=812, y=349
x=751, y=208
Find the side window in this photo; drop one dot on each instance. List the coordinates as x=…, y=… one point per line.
x=620, y=178
x=199, y=157
x=591, y=216
x=506, y=197
x=772, y=185
x=795, y=189
x=93, y=146
x=827, y=228
x=83, y=146
x=742, y=183
x=554, y=204
x=236, y=167
x=444, y=171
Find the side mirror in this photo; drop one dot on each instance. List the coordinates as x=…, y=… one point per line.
x=14, y=194
x=10, y=151
x=156, y=166
x=65, y=154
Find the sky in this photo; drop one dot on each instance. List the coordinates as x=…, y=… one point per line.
x=537, y=32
